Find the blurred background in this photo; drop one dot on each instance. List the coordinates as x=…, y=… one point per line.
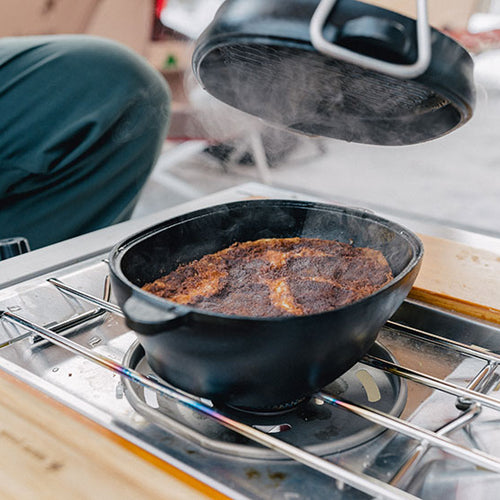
x=452, y=183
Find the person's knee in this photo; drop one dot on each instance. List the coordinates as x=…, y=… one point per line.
x=83, y=90
x=118, y=100
x=110, y=72
x=131, y=100
x=101, y=113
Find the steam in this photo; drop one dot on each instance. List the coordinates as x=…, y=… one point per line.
x=267, y=143
x=316, y=95
x=219, y=120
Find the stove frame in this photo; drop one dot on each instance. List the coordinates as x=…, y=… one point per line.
x=470, y=399
x=44, y=307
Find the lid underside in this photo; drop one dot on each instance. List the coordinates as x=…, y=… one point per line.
x=300, y=89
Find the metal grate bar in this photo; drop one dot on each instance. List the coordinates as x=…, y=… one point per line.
x=396, y=424
x=470, y=412
x=470, y=398
x=403, y=476
x=360, y=481
x=428, y=380
x=479, y=384
x=65, y=325
x=108, y=306
x=81, y=318
x=470, y=350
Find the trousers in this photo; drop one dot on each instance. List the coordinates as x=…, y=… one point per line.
x=82, y=123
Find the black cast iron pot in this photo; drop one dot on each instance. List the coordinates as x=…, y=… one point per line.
x=248, y=362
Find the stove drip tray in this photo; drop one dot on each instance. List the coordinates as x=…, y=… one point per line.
x=313, y=425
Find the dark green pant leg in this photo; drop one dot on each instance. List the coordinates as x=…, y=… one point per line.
x=82, y=121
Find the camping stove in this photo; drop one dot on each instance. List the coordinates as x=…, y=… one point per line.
x=419, y=415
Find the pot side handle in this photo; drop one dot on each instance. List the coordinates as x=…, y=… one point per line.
x=149, y=319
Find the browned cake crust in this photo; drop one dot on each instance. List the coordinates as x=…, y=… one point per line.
x=276, y=277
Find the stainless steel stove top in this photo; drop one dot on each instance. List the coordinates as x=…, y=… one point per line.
x=458, y=458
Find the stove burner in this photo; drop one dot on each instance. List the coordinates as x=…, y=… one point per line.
x=265, y=412
x=317, y=427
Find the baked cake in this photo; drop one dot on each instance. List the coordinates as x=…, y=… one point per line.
x=276, y=277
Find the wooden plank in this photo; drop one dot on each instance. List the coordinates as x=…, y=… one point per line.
x=51, y=452
x=460, y=278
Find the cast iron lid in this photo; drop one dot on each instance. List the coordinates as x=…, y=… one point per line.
x=258, y=57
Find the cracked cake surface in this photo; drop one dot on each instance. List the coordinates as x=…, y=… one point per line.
x=276, y=277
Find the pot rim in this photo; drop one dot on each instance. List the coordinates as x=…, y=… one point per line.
x=119, y=250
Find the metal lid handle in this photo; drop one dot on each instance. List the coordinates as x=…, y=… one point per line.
x=404, y=71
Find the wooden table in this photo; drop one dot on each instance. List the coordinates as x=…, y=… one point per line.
x=460, y=278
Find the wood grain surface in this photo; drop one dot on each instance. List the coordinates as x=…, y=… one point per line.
x=460, y=278
x=51, y=452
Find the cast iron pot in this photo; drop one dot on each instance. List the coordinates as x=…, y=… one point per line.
x=248, y=362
